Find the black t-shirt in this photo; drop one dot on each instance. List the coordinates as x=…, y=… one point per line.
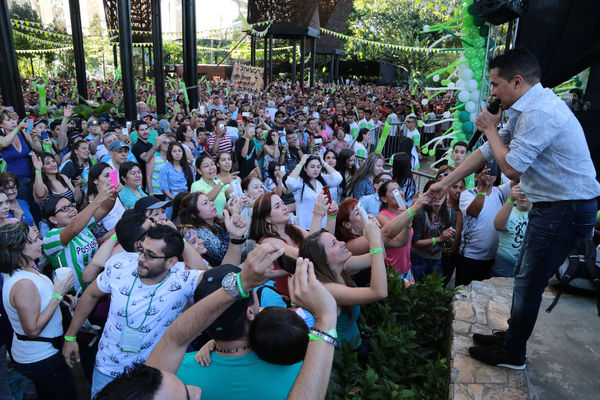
x=138, y=149
x=248, y=163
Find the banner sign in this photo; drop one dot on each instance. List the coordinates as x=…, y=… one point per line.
x=245, y=78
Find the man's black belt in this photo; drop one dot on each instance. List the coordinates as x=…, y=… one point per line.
x=547, y=204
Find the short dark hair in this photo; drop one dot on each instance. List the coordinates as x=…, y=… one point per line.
x=13, y=238
x=460, y=144
x=519, y=61
x=173, y=240
x=279, y=336
x=138, y=381
x=129, y=230
x=125, y=168
x=139, y=123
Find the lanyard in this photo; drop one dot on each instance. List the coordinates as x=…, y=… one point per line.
x=149, y=305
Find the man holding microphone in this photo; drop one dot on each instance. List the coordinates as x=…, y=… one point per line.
x=544, y=146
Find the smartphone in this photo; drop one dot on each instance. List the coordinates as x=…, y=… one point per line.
x=492, y=167
x=305, y=109
x=236, y=187
x=128, y=125
x=327, y=193
x=221, y=126
x=282, y=170
x=363, y=211
x=287, y=263
x=318, y=141
x=114, y=177
x=125, y=132
x=246, y=114
x=44, y=135
x=202, y=110
x=399, y=199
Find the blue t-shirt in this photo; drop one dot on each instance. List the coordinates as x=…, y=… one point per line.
x=239, y=378
x=509, y=243
x=347, y=326
x=27, y=217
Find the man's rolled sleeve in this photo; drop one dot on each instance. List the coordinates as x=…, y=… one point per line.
x=486, y=150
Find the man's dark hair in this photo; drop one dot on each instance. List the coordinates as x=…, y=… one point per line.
x=173, y=240
x=54, y=124
x=518, y=61
x=279, y=336
x=138, y=381
x=129, y=230
x=459, y=144
x=139, y=123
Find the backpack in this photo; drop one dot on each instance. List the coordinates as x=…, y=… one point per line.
x=581, y=270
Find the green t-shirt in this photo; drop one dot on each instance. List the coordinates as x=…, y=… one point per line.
x=151, y=139
x=239, y=378
x=76, y=255
x=205, y=188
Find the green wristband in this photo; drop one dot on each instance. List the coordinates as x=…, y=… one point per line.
x=238, y=280
x=57, y=296
x=114, y=237
x=376, y=251
x=482, y=194
x=38, y=171
x=332, y=216
x=511, y=201
x=410, y=212
x=433, y=240
x=70, y=338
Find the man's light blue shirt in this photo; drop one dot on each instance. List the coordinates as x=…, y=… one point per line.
x=548, y=147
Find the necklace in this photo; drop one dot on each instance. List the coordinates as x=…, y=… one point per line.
x=218, y=350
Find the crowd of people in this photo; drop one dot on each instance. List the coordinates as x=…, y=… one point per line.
x=237, y=238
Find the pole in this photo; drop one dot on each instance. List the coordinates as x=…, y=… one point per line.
x=265, y=58
x=337, y=67
x=302, y=60
x=294, y=75
x=78, y=50
x=32, y=70
x=270, y=58
x=190, y=57
x=126, y=46
x=253, y=51
x=313, y=62
x=115, y=59
x=159, y=71
x=10, y=81
x=332, y=67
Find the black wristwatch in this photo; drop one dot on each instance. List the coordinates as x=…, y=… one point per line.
x=242, y=240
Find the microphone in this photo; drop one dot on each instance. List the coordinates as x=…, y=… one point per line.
x=493, y=108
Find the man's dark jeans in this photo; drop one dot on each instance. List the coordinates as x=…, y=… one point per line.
x=553, y=230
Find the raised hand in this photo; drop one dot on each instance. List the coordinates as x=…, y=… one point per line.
x=235, y=224
x=259, y=266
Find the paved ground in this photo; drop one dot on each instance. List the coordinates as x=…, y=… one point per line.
x=564, y=351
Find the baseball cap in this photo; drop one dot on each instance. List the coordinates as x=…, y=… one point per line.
x=118, y=145
x=102, y=119
x=147, y=115
x=149, y=203
x=92, y=123
x=211, y=282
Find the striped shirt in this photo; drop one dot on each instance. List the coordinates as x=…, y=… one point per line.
x=75, y=255
x=159, y=163
x=224, y=145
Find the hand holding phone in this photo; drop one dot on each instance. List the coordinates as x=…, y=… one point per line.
x=114, y=177
x=399, y=199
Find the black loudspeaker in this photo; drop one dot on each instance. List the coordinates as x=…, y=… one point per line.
x=497, y=12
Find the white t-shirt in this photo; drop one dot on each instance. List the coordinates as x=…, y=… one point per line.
x=479, y=237
x=120, y=279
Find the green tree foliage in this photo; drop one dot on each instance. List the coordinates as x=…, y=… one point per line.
x=399, y=22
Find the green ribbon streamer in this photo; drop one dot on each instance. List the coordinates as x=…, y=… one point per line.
x=42, y=94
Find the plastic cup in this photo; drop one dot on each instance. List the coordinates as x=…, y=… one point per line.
x=63, y=273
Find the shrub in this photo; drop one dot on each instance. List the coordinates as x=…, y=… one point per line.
x=408, y=346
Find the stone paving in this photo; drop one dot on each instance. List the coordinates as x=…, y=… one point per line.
x=480, y=308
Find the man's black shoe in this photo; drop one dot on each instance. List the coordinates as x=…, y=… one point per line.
x=497, y=357
x=496, y=339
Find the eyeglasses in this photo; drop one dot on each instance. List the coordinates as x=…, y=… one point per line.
x=150, y=256
x=65, y=208
x=10, y=189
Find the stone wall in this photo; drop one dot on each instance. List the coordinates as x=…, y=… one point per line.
x=480, y=308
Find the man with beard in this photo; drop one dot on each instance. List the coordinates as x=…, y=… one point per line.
x=147, y=294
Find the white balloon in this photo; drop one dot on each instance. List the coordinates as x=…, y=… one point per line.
x=463, y=96
x=473, y=117
x=447, y=114
x=426, y=28
x=460, y=84
x=470, y=107
x=472, y=84
x=474, y=96
x=451, y=85
x=436, y=78
x=467, y=74
x=424, y=102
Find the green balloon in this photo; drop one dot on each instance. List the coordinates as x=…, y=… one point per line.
x=424, y=151
x=467, y=127
x=432, y=152
x=468, y=21
x=453, y=142
x=463, y=116
x=420, y=124
x=445, y=82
